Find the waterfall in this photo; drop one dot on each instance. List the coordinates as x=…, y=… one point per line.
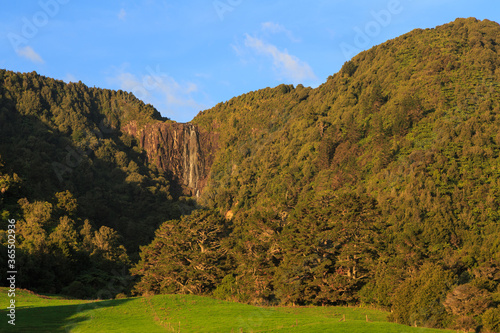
x=180, y=149
x=191, y=173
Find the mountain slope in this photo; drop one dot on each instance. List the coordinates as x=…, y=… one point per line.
x=379, y=186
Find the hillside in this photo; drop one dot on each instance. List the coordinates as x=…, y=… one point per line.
x=83, y=194
x=380, y=186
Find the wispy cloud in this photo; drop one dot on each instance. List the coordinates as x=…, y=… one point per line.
x=178, y=94
x=129, y=82
x=276, y=28
x=122, y=14
x=289, y=66
x=70, y=78
x=30, y=54
x=160, y=89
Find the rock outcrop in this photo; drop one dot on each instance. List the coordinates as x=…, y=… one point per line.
x=182, y=150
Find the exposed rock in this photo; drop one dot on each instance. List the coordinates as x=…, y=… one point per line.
x=182, y=150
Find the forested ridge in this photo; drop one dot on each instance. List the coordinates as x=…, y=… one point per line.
x=81, y=191
x=380, y=186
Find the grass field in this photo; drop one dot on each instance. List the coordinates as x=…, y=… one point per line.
x=181, y=313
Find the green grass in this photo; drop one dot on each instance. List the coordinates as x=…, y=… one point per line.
x=181, y=313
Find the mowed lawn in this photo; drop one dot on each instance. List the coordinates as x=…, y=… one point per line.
x=185, y=313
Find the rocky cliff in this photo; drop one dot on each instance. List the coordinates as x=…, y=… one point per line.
x=182, y=150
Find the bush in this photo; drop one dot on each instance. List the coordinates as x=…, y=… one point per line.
x=120, y=296
x=418, y=301
x=78, y=290
x=467, y=302
x=227, y=289
x=491, y=320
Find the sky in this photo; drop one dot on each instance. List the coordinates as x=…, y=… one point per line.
x=187, y=56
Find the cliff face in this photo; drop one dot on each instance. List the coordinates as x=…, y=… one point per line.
x=182, y=150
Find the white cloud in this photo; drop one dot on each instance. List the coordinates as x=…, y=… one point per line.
x=129, y=82
x=122, y=14
x=161, y=90
x=288, y=65
x=176, y=93
x=30, y=54
x=70, y=78
x=276, y=28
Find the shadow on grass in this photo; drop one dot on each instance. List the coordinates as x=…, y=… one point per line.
x=61, y=318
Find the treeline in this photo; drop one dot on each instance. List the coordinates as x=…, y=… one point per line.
x=379, y=187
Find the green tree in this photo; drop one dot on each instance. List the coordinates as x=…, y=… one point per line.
x=418, y=301
x=186, y=256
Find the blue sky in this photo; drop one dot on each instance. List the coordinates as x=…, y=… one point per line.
x=187, y=56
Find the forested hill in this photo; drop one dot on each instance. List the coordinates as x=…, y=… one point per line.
x=82, y=193
x=380, y=186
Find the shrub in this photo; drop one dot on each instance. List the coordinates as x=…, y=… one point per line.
x=491, y=320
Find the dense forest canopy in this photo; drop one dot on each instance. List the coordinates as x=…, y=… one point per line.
x=381, y=187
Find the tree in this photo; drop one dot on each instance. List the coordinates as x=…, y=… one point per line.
x=329, y=249
x=186, y=256
x=491, y=320
x=418, y=301
x=107, y=245
x=66, y=202
x=468, y=303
